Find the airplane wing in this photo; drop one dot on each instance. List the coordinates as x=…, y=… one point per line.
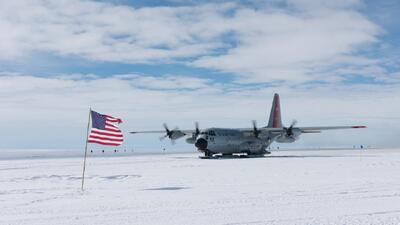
x=261, y=130
x=171, y=134
x=302, y=129
x=161, y=131
x=319, y=129
x=148, y=132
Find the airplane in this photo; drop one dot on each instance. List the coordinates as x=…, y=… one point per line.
x=250, y=142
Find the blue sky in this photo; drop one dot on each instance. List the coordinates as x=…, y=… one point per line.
x=218, y=63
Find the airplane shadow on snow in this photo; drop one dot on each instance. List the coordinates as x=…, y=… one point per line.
x=281, y=156
x=172, y=188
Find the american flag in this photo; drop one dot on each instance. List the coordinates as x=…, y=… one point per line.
x=104, y=130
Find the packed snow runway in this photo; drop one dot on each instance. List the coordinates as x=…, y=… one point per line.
x=287, y=187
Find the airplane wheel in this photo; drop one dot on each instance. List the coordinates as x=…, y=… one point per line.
x=207, y=153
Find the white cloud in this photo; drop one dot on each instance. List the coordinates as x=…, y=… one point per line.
x=258, y=45
x=166, y=82
x=281, y=46
x=102, y=31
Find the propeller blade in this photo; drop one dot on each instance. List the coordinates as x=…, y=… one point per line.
x=289, y=130
x=166, y=127
x=255, y=130
x=294, y=122
x=197, y=130
x=167, y=131
x=196, y=124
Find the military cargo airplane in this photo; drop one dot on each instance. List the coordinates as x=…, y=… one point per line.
x=247, y=141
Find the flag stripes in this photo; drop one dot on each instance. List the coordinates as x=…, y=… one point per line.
x=95, y=131
x=104, y=130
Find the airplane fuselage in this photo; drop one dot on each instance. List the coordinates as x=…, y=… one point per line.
x=230, y=141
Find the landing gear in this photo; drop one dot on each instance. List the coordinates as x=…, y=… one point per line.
x=207, y=153
x=250, y=154
x=227, y=154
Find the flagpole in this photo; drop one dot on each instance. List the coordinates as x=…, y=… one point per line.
x=84, y=159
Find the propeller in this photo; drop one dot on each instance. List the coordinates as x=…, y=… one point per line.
x=256, y=132
x=168, y=133
x=197, y=130
x=289, y=130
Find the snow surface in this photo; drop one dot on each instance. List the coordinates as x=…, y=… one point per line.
x=288, y=187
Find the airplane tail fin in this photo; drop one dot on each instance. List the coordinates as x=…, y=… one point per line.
x=275, y=120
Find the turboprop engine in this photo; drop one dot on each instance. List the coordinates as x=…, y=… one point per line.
x=193, y=138
x=190, y=140
x=172, y=134
x=289, y=134
x=288, y=138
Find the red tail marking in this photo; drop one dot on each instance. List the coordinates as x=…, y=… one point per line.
x=276, y=119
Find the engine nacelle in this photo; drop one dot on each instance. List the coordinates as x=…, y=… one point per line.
x=191, y=140
x=285, y=138
x=176, y=134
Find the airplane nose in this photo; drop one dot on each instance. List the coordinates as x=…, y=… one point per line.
x=201, y=144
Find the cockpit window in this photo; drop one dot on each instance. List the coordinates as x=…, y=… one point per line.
x=212, y=133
